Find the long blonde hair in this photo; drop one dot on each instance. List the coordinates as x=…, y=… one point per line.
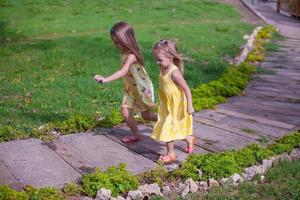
x=170, y=49
x=123, y=32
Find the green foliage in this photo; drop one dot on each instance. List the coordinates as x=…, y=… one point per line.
x=258, y=52
x=7, y=133
x=280, y=148
x=6, y=193
x=46, y=193
x=293, y=139
x=117, y=179
x=245, y=157
x=111, y=120
x=259, y=152
x=215, y=165
x=72, y=189
x=223, y=164
x=232, y=82
x=157, y=175
x=76, y=123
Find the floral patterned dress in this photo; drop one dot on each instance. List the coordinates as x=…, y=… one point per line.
x=138, y=91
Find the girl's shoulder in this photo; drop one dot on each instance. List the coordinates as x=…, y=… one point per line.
x=129, y=58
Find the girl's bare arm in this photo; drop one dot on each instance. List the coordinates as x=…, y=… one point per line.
x=120, y=73
x=179, y=80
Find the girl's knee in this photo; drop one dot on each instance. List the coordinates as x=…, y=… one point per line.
x=146, y=115
x=125, y=112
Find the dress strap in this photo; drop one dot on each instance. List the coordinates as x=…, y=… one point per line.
x=172, y=69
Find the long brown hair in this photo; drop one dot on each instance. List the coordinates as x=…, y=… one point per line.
x=123, y=32
x=170, y=49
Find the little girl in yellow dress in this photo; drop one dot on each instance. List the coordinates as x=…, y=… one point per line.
x=138, y=88
x=175, y=121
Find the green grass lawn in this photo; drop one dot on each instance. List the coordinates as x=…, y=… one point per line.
x=50, y=49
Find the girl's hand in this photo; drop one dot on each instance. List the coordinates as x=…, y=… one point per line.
x=99, y=78
x=191, y=110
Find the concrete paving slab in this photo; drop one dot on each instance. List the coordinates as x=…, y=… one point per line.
x=249, y=126
x=219, y=140
x=6, y=178
x=33, y=163
x=100, y=151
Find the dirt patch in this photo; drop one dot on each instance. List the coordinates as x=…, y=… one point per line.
x=247, y=15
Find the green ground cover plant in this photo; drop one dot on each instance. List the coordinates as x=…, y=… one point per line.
x=117, y=179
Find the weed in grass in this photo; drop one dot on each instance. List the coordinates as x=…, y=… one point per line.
x=263, y=139
x=248, y=130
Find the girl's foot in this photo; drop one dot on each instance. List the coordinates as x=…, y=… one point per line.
x=131, y=138
x=167, y=159
x=190, y=144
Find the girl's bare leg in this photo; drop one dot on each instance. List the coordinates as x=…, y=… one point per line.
x=149, y=116
x=170, y=149
x=126, y=112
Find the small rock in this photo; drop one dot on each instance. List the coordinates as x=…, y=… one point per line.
x=193, y=187
x=132, y=195
x=166, y=190
x=224, y=182
x=262, y=178
x=212, y=183
x=267, y=163
x=282, y=157
x=295, y=154
x=259, y=169
x=236, y=179
x=185, y=191
x=42, y=127
x=249, y=173
x=200, y=172
x=171, y=167
x=87, y=198
x=181, y=187
x=150, y=189
x=246, y=37
x=103, y=194
x=203, y=185
x=117, y=198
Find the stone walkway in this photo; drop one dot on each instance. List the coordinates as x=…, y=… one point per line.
x=269, y=109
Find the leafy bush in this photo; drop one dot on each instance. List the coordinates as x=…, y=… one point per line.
x=259, y=152
x=280, y=148
x=245, y=157
x=8, y=133
x=117, y=179
x=6, y=193
x=111, y=120
x=76, y=123
x=46, y=193
x=232, y=82
x=72, y=189
x=292, y=139
x=157, y=175
x=215, y=165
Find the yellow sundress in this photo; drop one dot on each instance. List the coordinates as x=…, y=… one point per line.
x=174, y=121
x=138, y=88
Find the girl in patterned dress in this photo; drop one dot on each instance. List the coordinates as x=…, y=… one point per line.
x=138, y=88
x=175, y=121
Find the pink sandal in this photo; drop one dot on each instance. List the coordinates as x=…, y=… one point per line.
x=131, y=138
